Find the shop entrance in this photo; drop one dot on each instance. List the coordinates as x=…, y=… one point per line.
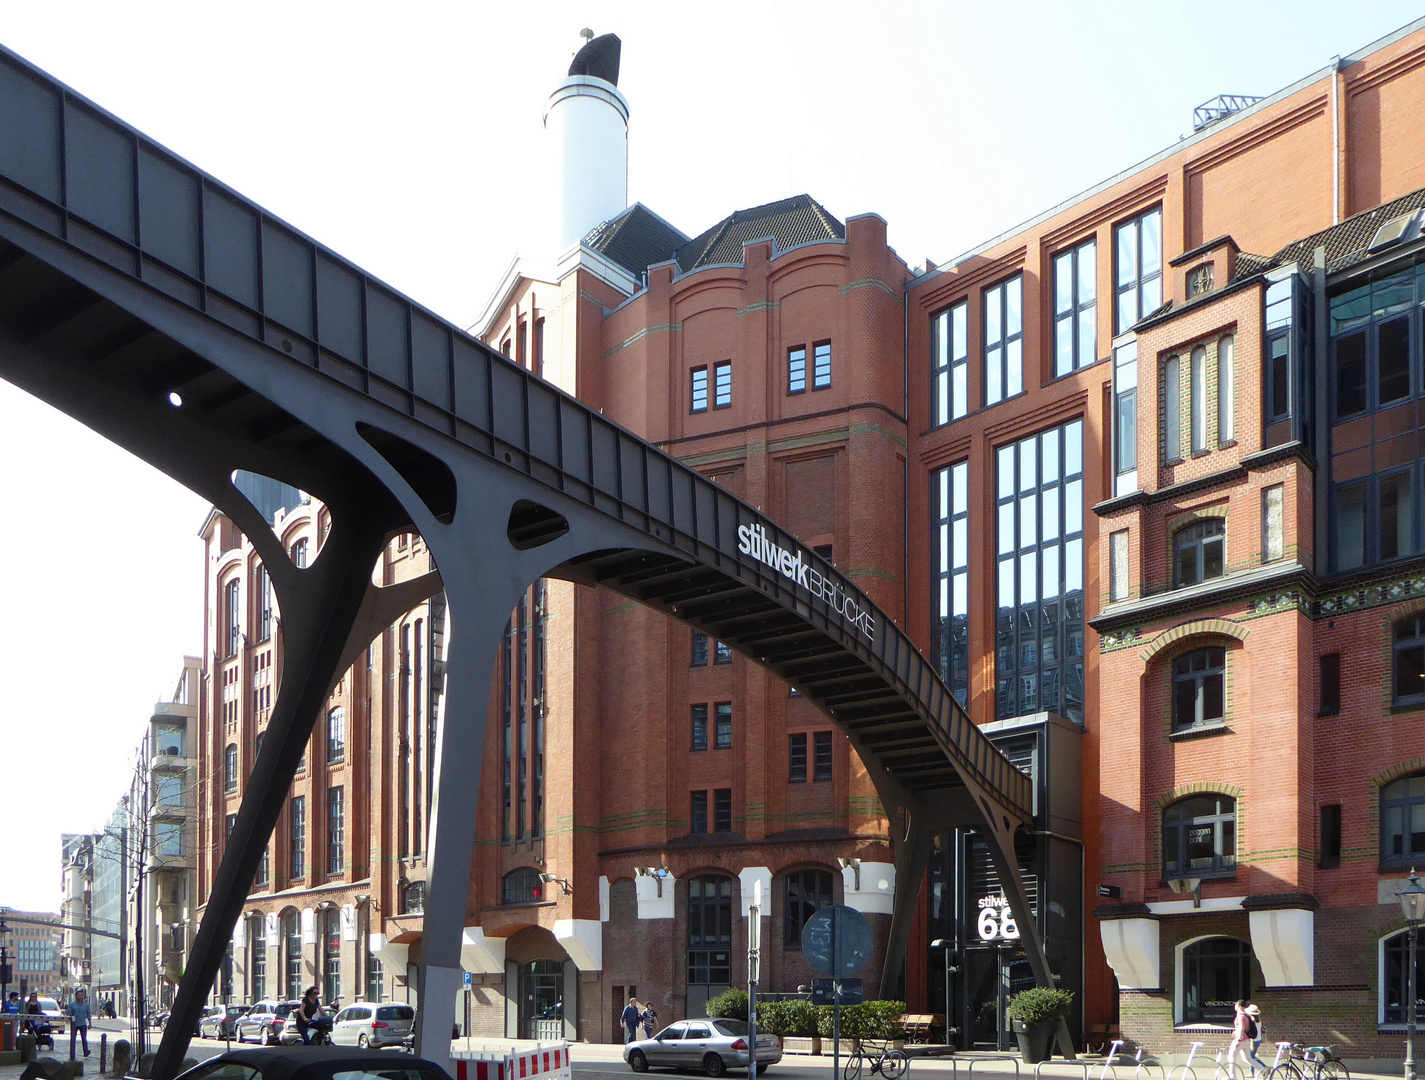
x=992, y=976
x=542, y=1000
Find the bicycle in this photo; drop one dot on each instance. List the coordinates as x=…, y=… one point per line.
x=1141, y=1060
x=1297, y=1062
x=890, y=1063
x=1221, y=1070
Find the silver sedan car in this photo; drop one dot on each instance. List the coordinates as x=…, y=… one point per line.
x=711, y=1045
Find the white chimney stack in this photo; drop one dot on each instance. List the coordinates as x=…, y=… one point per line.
x=586, y=127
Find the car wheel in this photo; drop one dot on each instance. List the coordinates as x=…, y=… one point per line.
x=272, y=1039
x=714, y=1065
x=638, y=1061
x=362, y=1041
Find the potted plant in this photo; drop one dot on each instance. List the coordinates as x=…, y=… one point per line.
x=1034, y=1015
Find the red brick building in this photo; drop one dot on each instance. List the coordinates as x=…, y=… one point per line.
x=1243, y=551
x=1139, y=474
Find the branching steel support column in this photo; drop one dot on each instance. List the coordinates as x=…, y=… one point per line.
x=1001, y=844
x=912, y=855
x=319, y=606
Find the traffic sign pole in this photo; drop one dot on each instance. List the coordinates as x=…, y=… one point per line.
x=754, y=953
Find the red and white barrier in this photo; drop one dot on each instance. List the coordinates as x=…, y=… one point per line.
x=511, y=1061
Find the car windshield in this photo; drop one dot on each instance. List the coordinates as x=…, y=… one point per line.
x=731, y=1027
x=49, y=1005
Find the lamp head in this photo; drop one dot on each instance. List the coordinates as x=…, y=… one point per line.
x=1412, y=900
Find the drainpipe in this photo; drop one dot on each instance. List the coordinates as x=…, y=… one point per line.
x=1336, y=67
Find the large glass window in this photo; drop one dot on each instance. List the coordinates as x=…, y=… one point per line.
x=1217, y=973
x=1377, y=518
x=700, y=649
x=797, y=758
x=722, y=384
x=1075, y=308
x=233, y=614
x=722, y=810
x=374, y=972
x=950, y=595
x=230, y=768
x=808, y=891
x=949, y=392
x=698, y=813
x=264, y=604
x=797, y=369
x=700, y=727
x=336, y=829
x=297, y=848
x=710, y=929
x=1200, y=837
x=292, y=940
x=331, y=953
x=1138, y=268
x=722, y=725
x=1198, y=552
x=336, y=734
x=821, y=365
x=1198, y=691
x=1402, y=821
x=1125, y=417
x=257, y=958
x=1408, y=666
x=1039, y=630
x=1395, y=991
x=1004, y=339
x=822, y=764
x=1277, y=350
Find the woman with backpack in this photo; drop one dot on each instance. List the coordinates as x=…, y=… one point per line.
x=1255, y=1034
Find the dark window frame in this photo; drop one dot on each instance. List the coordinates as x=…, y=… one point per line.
x=808, y=891
x=722, y=384
x=1004, y=341
x=698, y=389
x=1405, y=794
x=698, y=714
x=722, y=810
x=722, y=653
x=797, y=369
x=797, y=757
x=1199, y=537
x=1407, y=660
x=336, y=734
x=1183, y=823
x=822, y=762
x=1135, y=284
x=1072, y=315
x=1330, y=847
x=297, y=839
x=949, y=359
x=1394, y=989
x=1196, y=956
x=1186, y=670
x=710, y=926
x=698, y=812
x=821, y=372
x=698, y=656
x=1329, y=675
x=722, y=725
x=522, y=885
x=336, y=829
x=1373, y=532
x=230, y=768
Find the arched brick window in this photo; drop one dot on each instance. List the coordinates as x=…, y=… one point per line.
x=1200, y=837
x=1402, y=821
x=522, y=886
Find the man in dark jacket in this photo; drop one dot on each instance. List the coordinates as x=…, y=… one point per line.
x=632, y=1016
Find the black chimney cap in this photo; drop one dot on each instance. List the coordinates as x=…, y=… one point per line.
x=599, y=58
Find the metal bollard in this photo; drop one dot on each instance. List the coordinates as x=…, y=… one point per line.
x=72, y=1032
x=103, y=1053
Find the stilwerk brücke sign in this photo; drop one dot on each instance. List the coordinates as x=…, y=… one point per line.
x=753, y=540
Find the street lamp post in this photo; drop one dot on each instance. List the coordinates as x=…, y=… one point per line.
x=1412, y=906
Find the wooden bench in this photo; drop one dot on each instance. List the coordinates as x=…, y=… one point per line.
x=917, y=1026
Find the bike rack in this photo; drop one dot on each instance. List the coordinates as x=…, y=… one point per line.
x=970, y=1071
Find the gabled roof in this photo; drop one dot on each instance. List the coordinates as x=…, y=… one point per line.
x=798, y=220
x=636, y=239
x=1346, y=243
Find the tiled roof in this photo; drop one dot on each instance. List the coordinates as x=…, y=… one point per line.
x=1345, y=242
x=636, y=239
x=798, y=220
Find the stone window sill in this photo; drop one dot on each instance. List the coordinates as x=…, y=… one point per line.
x=1199, y=731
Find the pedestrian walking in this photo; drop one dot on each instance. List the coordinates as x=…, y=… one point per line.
x=631, y=1018
x=1255, y=1034
x=1239, y=1032
x=80, y=1017
x=12, y=1004
x=649, y=1019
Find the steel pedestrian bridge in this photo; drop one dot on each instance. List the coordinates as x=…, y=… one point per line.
x=164, y=310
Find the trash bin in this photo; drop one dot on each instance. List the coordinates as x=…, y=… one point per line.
x=26, y=1044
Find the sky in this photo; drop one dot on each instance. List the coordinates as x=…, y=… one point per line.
x=408, y=138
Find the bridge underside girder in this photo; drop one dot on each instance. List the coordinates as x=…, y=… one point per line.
x=127, y=276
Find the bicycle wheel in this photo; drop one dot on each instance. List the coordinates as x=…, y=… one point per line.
x=1287, y=1070
x=1333, y=1070
x=852, y=1069
x=895, y=1065
x=1183, y=1072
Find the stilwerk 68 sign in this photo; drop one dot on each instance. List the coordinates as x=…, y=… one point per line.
x=753, y=540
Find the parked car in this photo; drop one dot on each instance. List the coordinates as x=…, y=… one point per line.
x=711, y=1045
x=49, y=1008
x=313, y=1063
x=263, y=1023
x=220, y=1021
x=370, y=1023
